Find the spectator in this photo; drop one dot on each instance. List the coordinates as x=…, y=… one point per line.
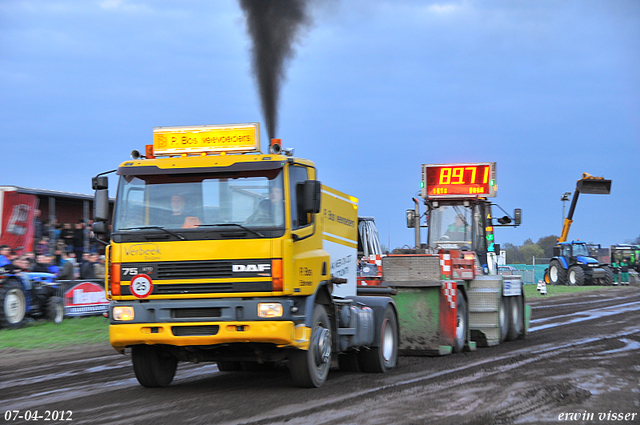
x=98, y=267
x=78, y=239
x=42, y=247
x=41, y=264
x=5, y=251
x=87, y=267
x=65, y=264
x=66, y=235
x=38, y=226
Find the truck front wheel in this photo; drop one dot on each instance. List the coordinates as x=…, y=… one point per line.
x=385, y=356
x=310, y=368
x=153, y=366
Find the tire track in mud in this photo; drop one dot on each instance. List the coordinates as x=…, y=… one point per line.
x=510, y=369
x=531, y=401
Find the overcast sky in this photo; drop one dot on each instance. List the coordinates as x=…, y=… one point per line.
x=547, y=89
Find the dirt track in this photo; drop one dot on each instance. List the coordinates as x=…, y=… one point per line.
x=581, y=358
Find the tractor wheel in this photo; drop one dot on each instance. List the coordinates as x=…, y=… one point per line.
x=13, y=305
x=54, y=310
x=557, y=274
x=153, y=366
x=608, y=277
x=310, y=368
x=462, y=324
x=576, y=276
x=383, y=358
x=516, y=319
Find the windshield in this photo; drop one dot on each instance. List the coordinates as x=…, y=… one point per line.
x=251, y=199
x=580, y=249
x=450, y=225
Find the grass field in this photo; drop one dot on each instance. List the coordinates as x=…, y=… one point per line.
x=71, y=332
x=95, y=330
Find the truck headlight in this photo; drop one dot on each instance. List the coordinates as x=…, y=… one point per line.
x=123, y=314
x=268, y=310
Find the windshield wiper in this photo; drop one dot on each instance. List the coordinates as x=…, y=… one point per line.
x=155, y=227
x=255, y=232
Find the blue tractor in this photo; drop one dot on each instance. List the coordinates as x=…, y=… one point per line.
x=573, y=265
x=26, y=296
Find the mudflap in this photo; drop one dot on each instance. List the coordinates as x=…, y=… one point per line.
x=527, y=318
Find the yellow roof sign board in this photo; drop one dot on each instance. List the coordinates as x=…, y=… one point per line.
x=206, y=138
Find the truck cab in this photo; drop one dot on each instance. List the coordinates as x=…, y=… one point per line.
x=221, y=253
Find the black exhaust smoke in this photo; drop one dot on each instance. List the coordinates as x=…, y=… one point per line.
x=274, y=26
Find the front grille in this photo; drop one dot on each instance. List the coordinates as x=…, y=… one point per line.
x=196, y=313
x=194, y=270
x=211, y=288
x=205, y=330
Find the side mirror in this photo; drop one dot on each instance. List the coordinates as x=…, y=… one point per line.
x=101, y=205
x=309, y=199
x=411, y=219
x=100, y=182
x=556, y=251
x=517, y=216
x=496, y=247
x=100, y=227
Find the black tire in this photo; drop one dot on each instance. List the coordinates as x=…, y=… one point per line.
x=153, y=366
x=54, y=310
x=608, y=277
x=504, y=317
x=557, y=273
x=516, y=319
x=576, y=276
x=349, y=362
x=13, y=305
x=384, y=357
x=229, y=366
x=310, y=368
x=462, y=324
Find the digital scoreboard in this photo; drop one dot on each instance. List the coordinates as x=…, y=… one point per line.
x=459, y=180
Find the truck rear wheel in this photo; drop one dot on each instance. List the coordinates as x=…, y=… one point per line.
x=310, y=368
x=384, y=357
x=516, y=319
x=557, y=274
x=576, y=276
x=153, y=366
x=13, y=305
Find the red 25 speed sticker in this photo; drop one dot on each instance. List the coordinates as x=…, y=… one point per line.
x=141, y=286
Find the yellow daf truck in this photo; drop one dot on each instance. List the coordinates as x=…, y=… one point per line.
x=221, y=253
